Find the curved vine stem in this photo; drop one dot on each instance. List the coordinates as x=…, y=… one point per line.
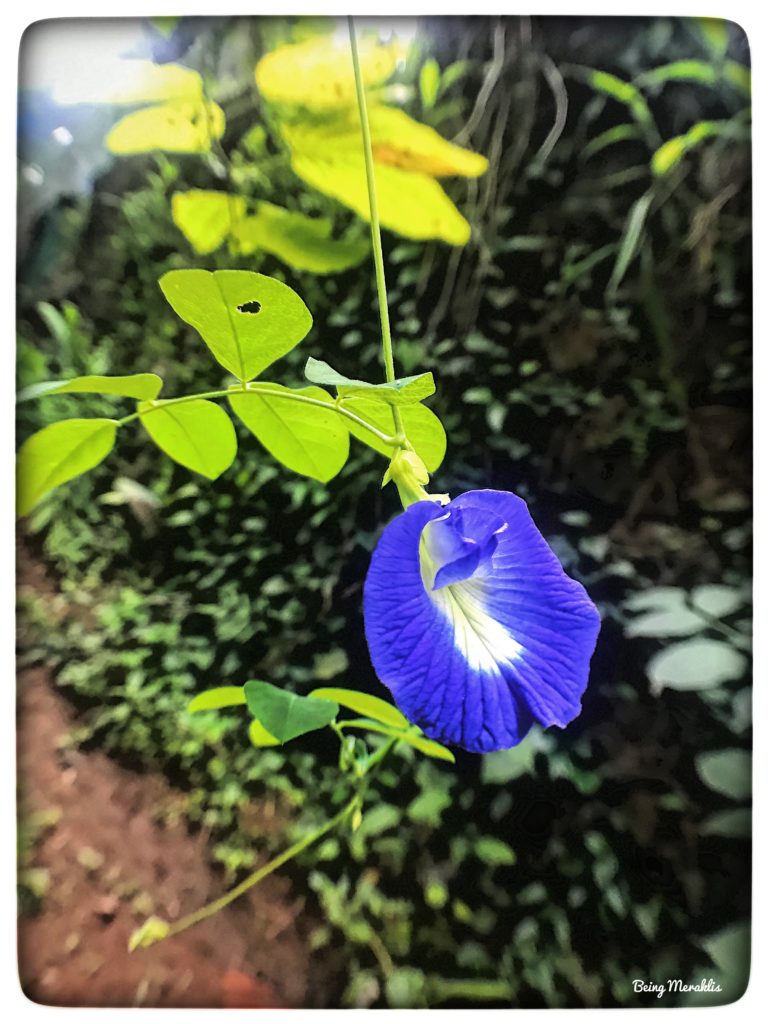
x=378, y=254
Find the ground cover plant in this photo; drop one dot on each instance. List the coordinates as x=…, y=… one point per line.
x=569, y=371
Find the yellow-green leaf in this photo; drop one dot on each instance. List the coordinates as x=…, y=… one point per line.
x=206, y=218
x=424, y=429
x=318, y=72
x=135, y=385
x=247, y=320
x=364, y=704
x=102, y=79
x=217, y=698
x=400, y=141
x=311, y=439
x=154, y=929
x=59, y=453
x=410, y=203
x=259, y=736
x=171, y=127
x=197, y=434
x=429, y=83
x=300, y=241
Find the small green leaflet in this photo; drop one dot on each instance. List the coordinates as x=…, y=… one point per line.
x=307, y=438
x=247, y=320
x=197, y=434
x=154, y=929
x=364, y=704
x=286, y=715
x=726, y=771
x=219, y=697
x=421, y=743
x=59, y=453
x=135, y=385
x=429, y=83
x=405, y=391
x=424, y=429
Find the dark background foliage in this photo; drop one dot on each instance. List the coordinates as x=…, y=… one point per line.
x=555, y=874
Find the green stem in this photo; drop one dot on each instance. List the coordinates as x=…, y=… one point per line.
x=253, y=879
x=392, y=441
x=378, y=254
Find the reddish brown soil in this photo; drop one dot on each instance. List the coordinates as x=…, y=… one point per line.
x=74, y=950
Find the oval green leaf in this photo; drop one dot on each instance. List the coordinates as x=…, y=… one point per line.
x=196, y=434
x=145, y=386
x=219, y=697
x=247, y=320
x=697, y=664
x=424, y=429
x=364, y=704
x=286, y=715
x=309, y=439
x=426, y=746
x=726, y=771
x=59, y=453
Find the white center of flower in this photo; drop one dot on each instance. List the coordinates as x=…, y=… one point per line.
x=484, y=642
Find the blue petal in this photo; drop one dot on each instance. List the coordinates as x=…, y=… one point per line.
x=503, y=639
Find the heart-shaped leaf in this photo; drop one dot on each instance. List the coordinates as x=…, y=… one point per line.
x=286, y=715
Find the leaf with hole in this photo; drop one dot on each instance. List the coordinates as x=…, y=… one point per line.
x=206, y=218
x=404, y=391
x=302, y=242
x=59, y=453
x=134, y=385
x=364, y=704
x=169, y=127
x=726, y=771
x=310, y=439
x=286, y=715
x=247, y=320
x=698, y=664
x=196, y=434
x=424, y=429
x=217, y=698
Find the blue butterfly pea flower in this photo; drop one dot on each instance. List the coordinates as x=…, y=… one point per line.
x=473, y=624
